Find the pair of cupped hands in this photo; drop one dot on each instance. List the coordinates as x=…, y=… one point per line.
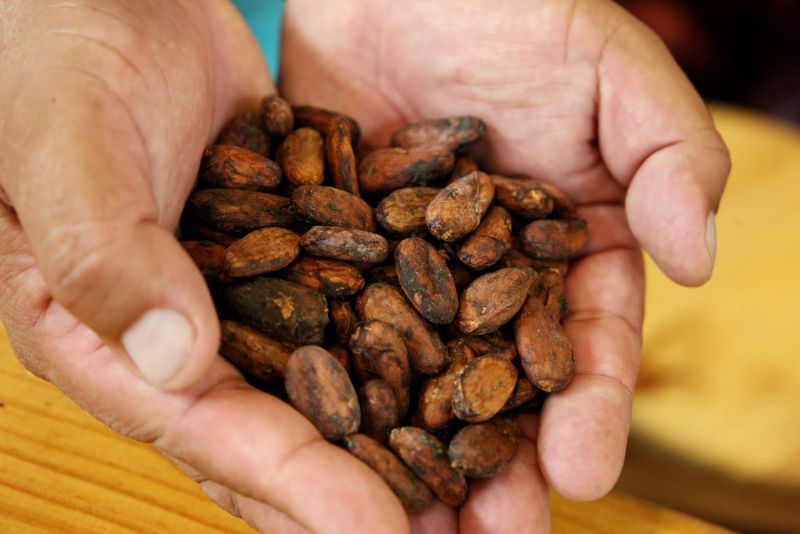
x=107, y=106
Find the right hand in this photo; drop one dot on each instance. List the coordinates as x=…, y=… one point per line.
x=107, y=106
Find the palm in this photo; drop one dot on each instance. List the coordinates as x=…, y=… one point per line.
x=391, y=63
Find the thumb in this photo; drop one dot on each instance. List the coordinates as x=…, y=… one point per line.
x=86, y=204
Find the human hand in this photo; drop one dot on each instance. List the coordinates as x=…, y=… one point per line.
x=107, y=106
x=576, y=93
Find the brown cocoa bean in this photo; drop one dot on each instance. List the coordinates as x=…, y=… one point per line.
x=301, y=155
x=435, y=405
x=261, y=251
x=491, y=344
x=402, y=212
x=482, y=388
x=321, y=120
x=455, y=133
x=483, y=450
x=411, y=491
x=382, y=302
x=318, y=386
x=254, y=353
x=328, y=206
x=545, y=352
x=379, y=410
x=207, y=255
x=345, y=244
x=563, y=208
x=517, y=258
x=238, y=210
x=550, y=290
x=554, y=239
x=278, y=117
x=523, y=197
x=524, y=392
x=461, y=275
x=379, y=350
x=282, y=310
x=387, y=169
x=341, y=159
x=458, y=208
x=426, y=280
x=343, y=319
x=489, y=242
x=332, y=278
x=464, y=165
x=493, y=299
x=384, y=274
x=238, y=168
x=426, y=457
x=246, y=131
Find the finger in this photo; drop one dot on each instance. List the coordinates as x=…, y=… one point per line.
x=515, y=500
x=584, y=427
x=657, y=137
x=437, y=518
x=258, y=515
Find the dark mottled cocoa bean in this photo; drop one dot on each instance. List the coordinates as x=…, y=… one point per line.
x=238, y=210
x=545, y=352
x=261, y=251
x=345, y=244
x=493, y=299
x=482, y=450
x=387, y=169
x=328, y=206
x=379, y=410
x=332, y=278
x=426, y=280
x=458, y=208
x=402, y=212
x=254, y=353
x=278, y=117
x=301, y=155
x=341, y=159
x=343, y=319
x=455, y=133
x=553, y=238
x=246, y=131
x=489, y=242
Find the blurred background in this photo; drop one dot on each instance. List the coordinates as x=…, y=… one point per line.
x=715, y=430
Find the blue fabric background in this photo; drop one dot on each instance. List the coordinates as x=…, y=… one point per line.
x=264, y=18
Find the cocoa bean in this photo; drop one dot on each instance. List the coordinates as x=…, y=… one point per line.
x=207, y=255
x=464, y=165
x=332, y=278
x=493, y=299
x=254, y=353
x=402, y=212
x=411, y=491
x=435, y=405
x=239, y=168
x=554, y=239
x=544, y=350
x=341, y=159
x=491, y=344
x=517, y=258
x=379, y=350
x=384, y=303
x=282, y=310
x=345, y=244
x=321, y=120
x=318, y=386
x=483, y=450
x=482, y=388
x=523, y=197
x=455, y=133
x=426, y=280
x=458, y=208
x=426, y=457
x=301, y=155
x=379, y=410
x=524, y=392
x=278, y=117
x=328, y=206
x=384, y=274
x=238, y=210
x=489, y=242
x=387, y=169
x=261, y=251
x=246, y=131
x=342, y=355
x=343, y=319
x=550, y=290
x=563, y=207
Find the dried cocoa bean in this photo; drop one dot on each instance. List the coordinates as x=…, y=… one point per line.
x=321, y=120
x=482, y=388
x=278, y=117
x=384, y=274
x=544, y=350
x=550, y=290
x=345, y=244
x=426, y=457
x=553, y=239
x=523, y=197
x=341, y=159
x=493, y=299
x=411, y=491
x=563, y=208
x=328, y=206
x=435, y=406
x=238, y=210
x=524, y=392
x=343, y=319
x=254, y=353
x=261, y=251
x=464, y=165
x=426, y=280
x=387, y=169
x=207, y=255
x=489, y=242
x=332, y=278
x=342, y=356
x=491, y=344
x=517, y=258
x=239, y=168
x=282, y=310
x=246, y=131
x=458, y=208
x=318, y=386
x=384, y=303
x=402, y=212
x=301, y=155
x=483, y=450
x=455, y=133
x=379, y=410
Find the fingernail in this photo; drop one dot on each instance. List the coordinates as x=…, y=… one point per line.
x=711, y=237
x=158, y=343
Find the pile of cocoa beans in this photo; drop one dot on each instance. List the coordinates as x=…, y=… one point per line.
x=407, y=303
